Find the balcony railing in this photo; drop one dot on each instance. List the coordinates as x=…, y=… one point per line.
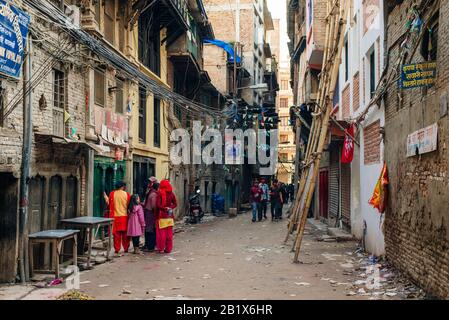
x=181, y=8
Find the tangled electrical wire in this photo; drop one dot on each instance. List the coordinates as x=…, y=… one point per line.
x=51, y=13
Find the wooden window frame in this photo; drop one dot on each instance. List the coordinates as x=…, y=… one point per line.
x=119, y=96
x=372, y=73
x=281, y=103
x=59, y=89
x=143, y=97
x=110, y=19
x=431, y=55
x=157, y=123
x=96, y=97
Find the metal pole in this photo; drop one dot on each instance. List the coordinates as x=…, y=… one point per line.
x=25, y=167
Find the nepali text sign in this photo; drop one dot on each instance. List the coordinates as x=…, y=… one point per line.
x=422, y=141
x=418, y=75
x=13, y=35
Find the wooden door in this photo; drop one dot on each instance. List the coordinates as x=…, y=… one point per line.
x=36, y=221
x=8, y=226
x=71, y=207
x=54, y=202
x=71, y=199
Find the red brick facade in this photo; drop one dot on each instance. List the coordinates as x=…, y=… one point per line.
x=345, y=102
x=356, y=92
x=416, y=222
x=372, y=139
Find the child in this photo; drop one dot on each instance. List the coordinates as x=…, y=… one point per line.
x=136, y=222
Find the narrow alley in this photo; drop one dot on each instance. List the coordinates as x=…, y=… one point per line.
x=236, y=259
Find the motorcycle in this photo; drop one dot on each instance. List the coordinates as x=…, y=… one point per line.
x=195, y=211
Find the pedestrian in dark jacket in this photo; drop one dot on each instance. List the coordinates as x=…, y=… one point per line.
x=276, y=201
x=256, y=198
x=150, y=209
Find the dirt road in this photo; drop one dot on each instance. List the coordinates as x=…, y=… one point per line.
x=230, y=259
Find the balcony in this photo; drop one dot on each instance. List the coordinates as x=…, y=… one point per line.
x=187, y=49
x=267, y=50
x=174, y=15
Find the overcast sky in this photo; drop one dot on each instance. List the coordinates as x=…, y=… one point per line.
x=278, y=10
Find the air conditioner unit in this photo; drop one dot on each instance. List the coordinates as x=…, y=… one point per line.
x=73, y=12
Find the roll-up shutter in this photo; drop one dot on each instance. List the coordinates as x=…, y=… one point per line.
x=334, y=177
x=346, y=195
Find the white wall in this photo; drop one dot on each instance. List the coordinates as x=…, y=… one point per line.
x=364, y=177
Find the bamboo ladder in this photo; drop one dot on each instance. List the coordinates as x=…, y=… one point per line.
x=335, y=28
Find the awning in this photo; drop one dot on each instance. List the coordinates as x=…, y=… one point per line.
x=227, y=47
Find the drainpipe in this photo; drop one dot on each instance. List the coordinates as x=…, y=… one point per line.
x=25, y=167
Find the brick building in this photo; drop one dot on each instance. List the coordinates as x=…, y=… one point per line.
x=417, y=222
x=59, y=152
x=248, y=23
x=360, y=70
x=101, y=96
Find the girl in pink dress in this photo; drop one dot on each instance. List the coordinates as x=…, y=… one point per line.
x=136, y=222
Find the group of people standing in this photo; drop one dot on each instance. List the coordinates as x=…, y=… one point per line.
x=277, y=195
x=152, y=218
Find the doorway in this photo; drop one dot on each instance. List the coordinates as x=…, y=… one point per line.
x=8, y=226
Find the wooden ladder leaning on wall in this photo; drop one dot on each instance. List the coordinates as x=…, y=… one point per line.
x=336, y=20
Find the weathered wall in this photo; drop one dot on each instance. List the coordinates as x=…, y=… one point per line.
x=417, y=220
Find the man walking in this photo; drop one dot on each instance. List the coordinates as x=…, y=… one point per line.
x=292, y=192
x=118, y=202
x=276, y=201
x=256, y=198
x=265, y=197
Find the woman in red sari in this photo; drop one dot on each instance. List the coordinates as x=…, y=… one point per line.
x=166, y=203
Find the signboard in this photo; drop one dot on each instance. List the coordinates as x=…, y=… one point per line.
x=422, y=141
x=418, y=75
x=13, y=37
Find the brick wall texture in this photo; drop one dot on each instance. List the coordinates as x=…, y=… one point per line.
x=371, y=142
x=356, y=92
x=346, y=102
x=48, y=158
x=417, y=220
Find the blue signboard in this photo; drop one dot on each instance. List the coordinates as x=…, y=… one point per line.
x=422, y=74
x=13, y=37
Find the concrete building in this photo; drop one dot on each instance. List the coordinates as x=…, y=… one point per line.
x=287, y=147
x=305, y=22
x=100, y=103
x=343, y=190
x=360, y=70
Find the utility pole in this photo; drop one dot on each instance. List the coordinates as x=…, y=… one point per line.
x=235, y=84
x=25, y=167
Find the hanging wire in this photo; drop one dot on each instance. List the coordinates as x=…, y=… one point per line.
x=52, y=13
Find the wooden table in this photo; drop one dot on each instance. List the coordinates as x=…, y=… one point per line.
x=56, y=238
x=90, y=224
